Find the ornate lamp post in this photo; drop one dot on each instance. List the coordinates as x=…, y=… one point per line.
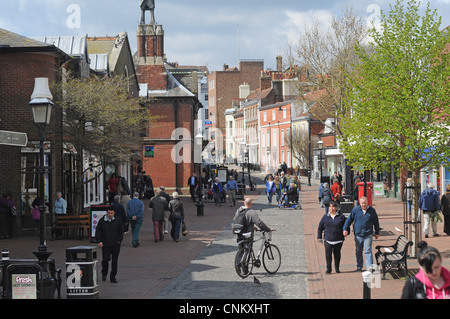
x=199, y=148
x=41, y=109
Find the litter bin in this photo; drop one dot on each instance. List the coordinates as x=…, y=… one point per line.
x=346, y=205
x=81, y=272
x=365, y=189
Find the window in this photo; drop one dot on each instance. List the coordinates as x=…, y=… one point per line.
x=282, y=138
x=273, y=115
x=265, y=116
x=274, y=135
x=284, y=113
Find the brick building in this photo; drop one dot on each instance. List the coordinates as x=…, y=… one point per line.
x=169, y=142
x=21, y=61
x=223, y=87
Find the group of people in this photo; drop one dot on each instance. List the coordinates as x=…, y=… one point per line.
x=334, y=228
x=119, y=218
x=286, y=188
x=329, y=193
x=8, y=212
x=431, y=282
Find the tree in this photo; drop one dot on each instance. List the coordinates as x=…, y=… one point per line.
x=399, y=104
x=328, y=56
x=298, y=142
x=99, y=118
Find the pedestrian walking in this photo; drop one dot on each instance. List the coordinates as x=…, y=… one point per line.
x=176, y=216
x=109, y=236
x=231, y=188
x=135, y=214
x=166, y=213
x=277, y=189
x=119, y=212
x=7, y=210
x=327, y=196
x=429, y=203
x=113, y=187
x=365, y=221
x=193, y=183
x=159, y=205
x=270, y=189
x=336, y=189
x=445, y=203
x=331, y=226
x=432, y=281
x=217, y=191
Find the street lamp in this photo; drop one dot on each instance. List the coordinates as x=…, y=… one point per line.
x=320, y=145
x=41, y=109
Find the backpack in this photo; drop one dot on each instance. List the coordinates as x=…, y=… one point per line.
x=240, y=223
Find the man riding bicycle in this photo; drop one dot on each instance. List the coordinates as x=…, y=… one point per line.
x=251, y=220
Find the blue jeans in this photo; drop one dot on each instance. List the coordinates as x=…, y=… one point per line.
x=135, y=229
x=176, y=227
x=278, y=195
x=269, y=196
x=364, y=243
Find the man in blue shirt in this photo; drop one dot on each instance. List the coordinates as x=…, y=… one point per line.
x=231, y=188
x=365, y=221
x=135, y=214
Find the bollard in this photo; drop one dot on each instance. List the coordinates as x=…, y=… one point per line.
x=5, y=255
x=200, y=208
x=5, y=263
x=367, y=278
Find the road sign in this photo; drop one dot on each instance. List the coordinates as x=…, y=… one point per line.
x=13, y=138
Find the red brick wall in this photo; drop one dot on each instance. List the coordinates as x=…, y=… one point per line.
x=17, y=74
x=154, y=75
x=161, y=167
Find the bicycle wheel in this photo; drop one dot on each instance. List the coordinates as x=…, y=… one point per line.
x=271, y=258
x=243, y=262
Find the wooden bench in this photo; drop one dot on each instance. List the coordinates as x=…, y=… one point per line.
x=71, y=225
x=396, y=257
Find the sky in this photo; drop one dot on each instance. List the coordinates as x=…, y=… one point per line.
x=200, y=32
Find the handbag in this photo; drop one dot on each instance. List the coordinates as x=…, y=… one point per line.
x=36, y=214
x=12, y=210
x=184, y=230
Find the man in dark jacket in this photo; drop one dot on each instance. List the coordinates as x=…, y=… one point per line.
x=109, y=235
x=429, y=203
x=159, y=205
x=252, y=219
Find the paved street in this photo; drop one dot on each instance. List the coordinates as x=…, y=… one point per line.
x=212, y=274
x=200, y=266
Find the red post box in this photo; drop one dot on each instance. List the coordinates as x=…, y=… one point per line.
x=365, y=189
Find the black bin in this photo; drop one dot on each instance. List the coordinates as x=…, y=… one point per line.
x=81, y=272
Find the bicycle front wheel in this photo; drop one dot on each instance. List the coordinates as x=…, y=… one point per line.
x=271, y=258
x=243, y=263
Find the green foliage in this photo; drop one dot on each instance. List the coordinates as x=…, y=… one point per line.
x=399, y=104
x=100, y=117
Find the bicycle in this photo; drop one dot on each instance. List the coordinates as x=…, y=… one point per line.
x=245, y=257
